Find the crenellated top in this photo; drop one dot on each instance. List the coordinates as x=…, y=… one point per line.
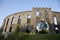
x=41, y=8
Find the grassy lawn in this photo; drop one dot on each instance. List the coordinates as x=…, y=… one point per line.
x=22, y=36
x=33, y=37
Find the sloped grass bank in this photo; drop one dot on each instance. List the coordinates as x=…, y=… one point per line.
x=22, y=36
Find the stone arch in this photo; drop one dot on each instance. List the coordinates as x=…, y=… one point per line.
x=56, y=27
x=29, y=16
x=46, y=14
x=28, y=28
x=42, y=27
x=6, y=24
x=7, y=21
x=19, y=19
x=12, y=21
x=28, y=19
x=55, y=20
x=37, y=13
x=10, y=29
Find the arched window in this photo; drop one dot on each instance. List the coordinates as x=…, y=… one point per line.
x=37, y=14
x=10, y=29
x=7, y=21
x=19, y=19
x=28, y=18
x=12, y=21
x=46, y=14
x=42, y=26
x=6, y=24
x=55, y=20
x=28, y=29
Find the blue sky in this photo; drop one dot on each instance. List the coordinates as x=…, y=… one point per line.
x=8, y=7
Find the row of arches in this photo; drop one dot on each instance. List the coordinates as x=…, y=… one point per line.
x=55, y=21
x=47, y=16
x=29, y=19
x=18, y=22
x=20, y=17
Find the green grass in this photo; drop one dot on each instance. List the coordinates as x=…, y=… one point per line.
x=22, y=36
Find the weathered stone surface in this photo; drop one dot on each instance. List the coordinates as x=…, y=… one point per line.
x=33, y=21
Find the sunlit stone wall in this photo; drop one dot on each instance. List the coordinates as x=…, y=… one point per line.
x=45, y=14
